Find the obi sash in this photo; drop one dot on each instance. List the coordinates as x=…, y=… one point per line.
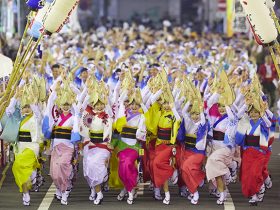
x=129, y=132
x=164, y=135
x=251, y=140
x=218, y=135
x=24, y=136
x=190, y=141
x=96, y=136
x=62, y=132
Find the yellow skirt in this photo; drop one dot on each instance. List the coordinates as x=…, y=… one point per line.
x=114, y=180
x=25, y=163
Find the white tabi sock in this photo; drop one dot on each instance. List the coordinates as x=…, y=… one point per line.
x=167, y=195
x=196, y=196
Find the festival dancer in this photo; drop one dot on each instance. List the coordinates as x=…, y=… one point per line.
x=29, y=137
x=253, y=134
x=61, y=121
x=131, y=126
x=193, y=138
x=163, y=121
x=96, y=128
x=223, y=144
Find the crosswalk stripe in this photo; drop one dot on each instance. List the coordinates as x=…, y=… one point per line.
x=228, y=204
x=46, y=202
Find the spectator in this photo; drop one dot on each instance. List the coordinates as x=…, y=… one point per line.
x=268, y=74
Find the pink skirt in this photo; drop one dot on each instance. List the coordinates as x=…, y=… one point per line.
x=61, y=166
x=218, y=163
x=127, y=168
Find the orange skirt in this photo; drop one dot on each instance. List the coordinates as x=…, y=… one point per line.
x=162, y=169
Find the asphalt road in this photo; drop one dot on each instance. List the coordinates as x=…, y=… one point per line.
x=10, y=198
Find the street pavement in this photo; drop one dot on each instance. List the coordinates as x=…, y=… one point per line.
x=10, y=198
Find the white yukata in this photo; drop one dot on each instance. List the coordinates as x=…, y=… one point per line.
x=97, y=132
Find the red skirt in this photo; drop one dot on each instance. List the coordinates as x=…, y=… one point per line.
x=265, y=170
x=252, y=167
x=151, y=153
x=162, y=169
x=179, y=153
x=145, y=163
x=192, y=173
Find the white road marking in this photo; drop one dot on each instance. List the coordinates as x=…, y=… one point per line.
x=141, y=187
x=228, y=204
x=46, y=202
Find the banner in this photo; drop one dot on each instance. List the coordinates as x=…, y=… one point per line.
x=230, y=17
x=241, y=24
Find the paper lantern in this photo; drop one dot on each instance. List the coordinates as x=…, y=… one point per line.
x=262, y=25
x=270, y=3
x=6, y=66
x=37, y=27
x=35, y=4
x=59, y=15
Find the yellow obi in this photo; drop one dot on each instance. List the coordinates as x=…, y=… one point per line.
x=167, y=128
x=129, y=132
x=60, y=132
x=190, y=141
x=96, y=136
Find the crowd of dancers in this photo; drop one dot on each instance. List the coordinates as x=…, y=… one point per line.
x=142, y=105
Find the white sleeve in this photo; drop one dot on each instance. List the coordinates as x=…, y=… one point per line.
x=82, y=95
x=107, y=134
x=108, y=109
x=242, y=111
x=156, y=96
x=146, y=96
x=76, y=124
x=269, y=113
x=214, y=98
x=85, y=103
x=144, y=91
x=266, y=120
x=121, y=111
x=75, y=89
x=53, y=86
x=50, y=104
x=238, y=99
x=185, y=108
x=230, y=113
x=202, y=118
x=141, y=131
x=12, y=107
x=116, y=92
x=144, y=108
x=177, y=116
x=36, y=111
x=234, y=108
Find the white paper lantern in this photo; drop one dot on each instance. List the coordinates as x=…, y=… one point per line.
x=42, y=13
x=270, y=3
x=59, y=14
x=261, y=23
x=37, y=27
x=6, y=66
